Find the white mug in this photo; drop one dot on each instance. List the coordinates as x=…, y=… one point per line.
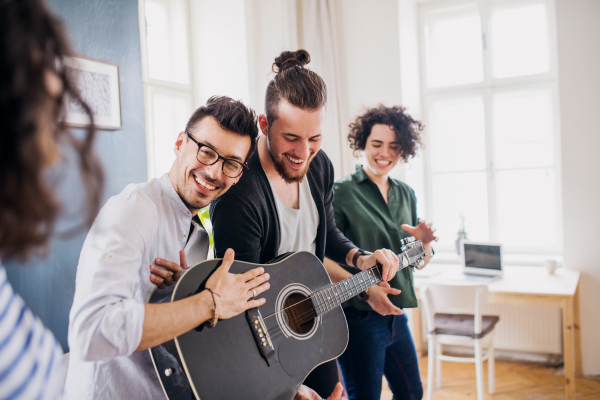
x=550, y=266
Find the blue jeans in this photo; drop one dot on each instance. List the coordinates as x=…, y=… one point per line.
x=379, y=346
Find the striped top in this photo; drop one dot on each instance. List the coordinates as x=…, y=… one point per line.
x=31, y=360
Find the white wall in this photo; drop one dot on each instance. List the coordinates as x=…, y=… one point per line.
x=218, y=31
x=369, y=52
x=271, y=28
x=578, y=30
x=367, y=59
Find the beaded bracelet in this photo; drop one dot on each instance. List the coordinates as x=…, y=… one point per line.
x=211, y=324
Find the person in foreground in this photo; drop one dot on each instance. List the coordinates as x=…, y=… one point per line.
x=374, y=210
x=111, y=323
x=273, y=209
x=32, y=89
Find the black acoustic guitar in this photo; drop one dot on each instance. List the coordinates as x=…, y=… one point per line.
x=266, y=352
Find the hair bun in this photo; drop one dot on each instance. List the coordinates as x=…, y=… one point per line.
x=288, y=59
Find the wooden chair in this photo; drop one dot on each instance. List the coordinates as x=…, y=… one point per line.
x=468, y=329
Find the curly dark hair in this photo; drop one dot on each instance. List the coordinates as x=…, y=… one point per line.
x=408, y=130
x=32, y=44
x=295, y=84
x=232, y=115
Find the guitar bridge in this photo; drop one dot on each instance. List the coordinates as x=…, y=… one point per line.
x=261, y=336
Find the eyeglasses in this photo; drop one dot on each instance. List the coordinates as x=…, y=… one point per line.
x=208, y=156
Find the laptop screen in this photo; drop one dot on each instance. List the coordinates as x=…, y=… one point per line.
x=482, y=256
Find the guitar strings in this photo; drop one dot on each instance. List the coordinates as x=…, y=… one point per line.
x=299, y=319
x=310, y=314
x=311, y=311
x=317, y=292
x=314, y=294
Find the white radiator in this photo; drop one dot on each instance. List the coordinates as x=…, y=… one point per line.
x=531, y=329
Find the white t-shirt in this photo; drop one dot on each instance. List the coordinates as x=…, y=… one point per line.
x=298, y=228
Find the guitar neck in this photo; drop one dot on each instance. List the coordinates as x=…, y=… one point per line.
x=332, y=296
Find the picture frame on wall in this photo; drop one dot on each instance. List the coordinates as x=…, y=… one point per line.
x=98, y=83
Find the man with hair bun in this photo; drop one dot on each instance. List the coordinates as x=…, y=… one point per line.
x=274, y=210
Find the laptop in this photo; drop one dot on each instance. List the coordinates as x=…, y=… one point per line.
x=482, y=262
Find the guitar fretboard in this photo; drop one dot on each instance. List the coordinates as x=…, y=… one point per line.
x=332, y=296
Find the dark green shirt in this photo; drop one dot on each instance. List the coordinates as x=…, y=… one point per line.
x=363, y=216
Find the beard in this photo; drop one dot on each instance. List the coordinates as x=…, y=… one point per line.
x=282, y=170
x=197, y=200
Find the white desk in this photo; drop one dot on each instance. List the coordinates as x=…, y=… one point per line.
x=530, y=286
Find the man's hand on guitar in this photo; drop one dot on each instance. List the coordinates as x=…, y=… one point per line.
x=388, y=260
x=306, y=393
x=234, y=293
x=170, y=272
x=380, y=302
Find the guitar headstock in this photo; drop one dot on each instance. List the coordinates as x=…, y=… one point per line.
x=413, y=253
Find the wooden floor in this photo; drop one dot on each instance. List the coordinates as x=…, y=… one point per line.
x=514, y=380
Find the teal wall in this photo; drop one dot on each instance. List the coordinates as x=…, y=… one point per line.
x=106, y=30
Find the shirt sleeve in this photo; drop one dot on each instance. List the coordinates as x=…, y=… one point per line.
x=31, y=360
x=236, y=225
x=340, y=217
x=106, y=319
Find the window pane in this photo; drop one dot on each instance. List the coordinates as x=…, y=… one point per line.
x=414, y=175
x=527, y=209
x=456, y=195
x=520, y=41
x=523, y=127
x=457, y=134
x=454, y=54
x=169, y=116
x=167, y=40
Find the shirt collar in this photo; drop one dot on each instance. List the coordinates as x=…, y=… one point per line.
x=361, y=176
x=170, y=192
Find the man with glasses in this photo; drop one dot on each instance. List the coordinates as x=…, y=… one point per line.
x=110, y=324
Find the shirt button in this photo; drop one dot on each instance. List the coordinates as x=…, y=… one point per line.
x=109, y=256
x=188, y=213
x=184, y=235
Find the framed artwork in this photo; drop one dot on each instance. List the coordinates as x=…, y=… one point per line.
x=98, y=83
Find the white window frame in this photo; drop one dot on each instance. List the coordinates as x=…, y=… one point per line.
x=486, y=89
x=152, y=85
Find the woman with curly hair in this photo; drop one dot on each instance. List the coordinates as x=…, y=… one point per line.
x=376, y=211
x=33, y=86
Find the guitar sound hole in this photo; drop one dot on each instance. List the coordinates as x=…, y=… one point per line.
x=298, y=313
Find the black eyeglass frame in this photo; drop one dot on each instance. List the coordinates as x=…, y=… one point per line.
x=219, y=157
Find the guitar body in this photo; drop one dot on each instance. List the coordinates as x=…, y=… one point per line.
x=226, y=363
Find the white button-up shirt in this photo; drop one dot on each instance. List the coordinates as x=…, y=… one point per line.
x=141, y=223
